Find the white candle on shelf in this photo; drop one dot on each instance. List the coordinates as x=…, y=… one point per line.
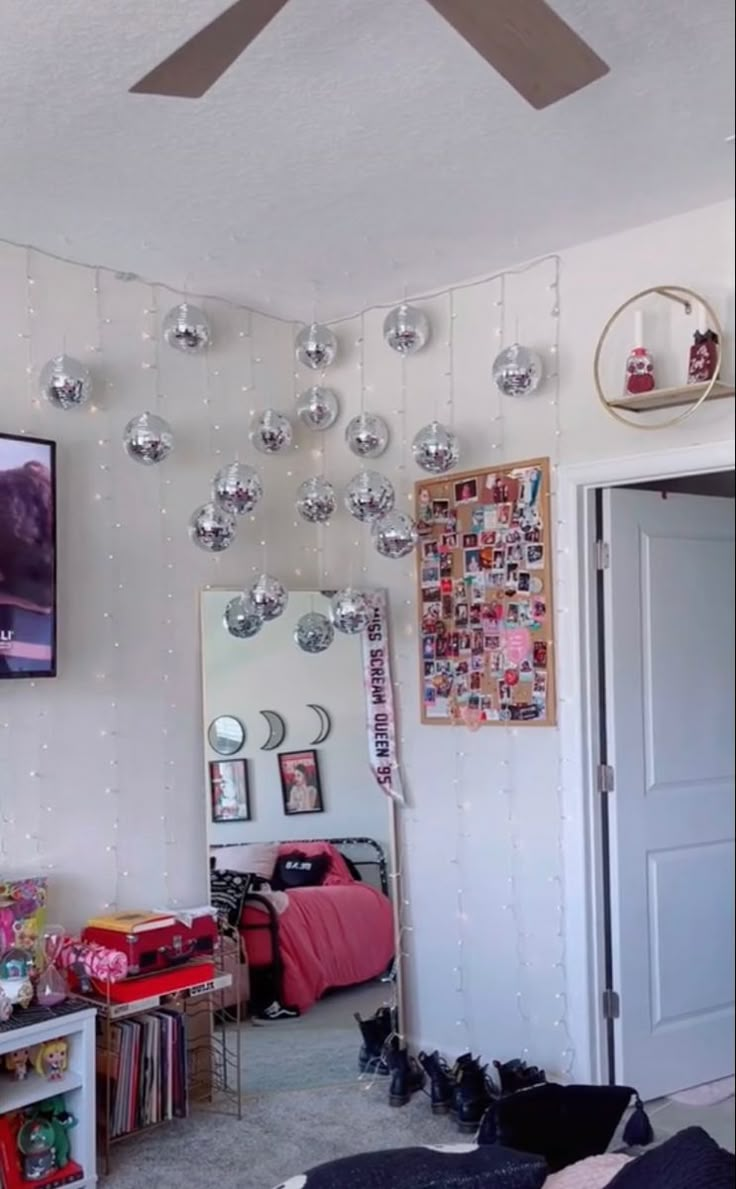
x=638, y=328
x=702, y=322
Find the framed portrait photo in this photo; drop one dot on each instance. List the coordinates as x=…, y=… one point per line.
x=229, y=791
x=300, y=786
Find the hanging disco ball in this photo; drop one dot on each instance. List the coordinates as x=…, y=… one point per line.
x=237, y=487
x=435, y=448
x=186, y=328
x=271, y=432
x=242, y=618
x=314, y=632
x=367, y=435
x=148, y=439
x=65, y=383
x=369, y=495
x=395, y=535
x=212, y=528
x=316, y=347
x=350, y=611
x=318, y=408
x=517, y=371
x=315, y=500
x=406, y=330
x=269, y=597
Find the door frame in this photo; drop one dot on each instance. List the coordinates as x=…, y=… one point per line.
x=577, y=675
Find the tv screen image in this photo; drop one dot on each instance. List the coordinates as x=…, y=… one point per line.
x=27, y=557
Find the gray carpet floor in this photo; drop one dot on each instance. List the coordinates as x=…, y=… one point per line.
x=278, y=1136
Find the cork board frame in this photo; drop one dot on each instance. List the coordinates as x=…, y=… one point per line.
x=485, y=597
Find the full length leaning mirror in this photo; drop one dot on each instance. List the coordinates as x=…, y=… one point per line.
x=298, y=808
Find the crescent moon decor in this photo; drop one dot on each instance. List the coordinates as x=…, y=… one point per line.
x=325, y=723
x=276, y=730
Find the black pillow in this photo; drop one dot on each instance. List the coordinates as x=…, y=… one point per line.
x=297, y=870
x=228, y=890
x=689, y=1160
x=562, y=1123
x=469, y=1167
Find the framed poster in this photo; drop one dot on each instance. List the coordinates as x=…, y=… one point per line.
x=229, y=791
x=485, y=597
x=300, y=784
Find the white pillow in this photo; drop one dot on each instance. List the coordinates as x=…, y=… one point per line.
x=253, y=858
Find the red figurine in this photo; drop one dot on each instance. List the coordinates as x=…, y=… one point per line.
x=639, y=372
x=703, y=357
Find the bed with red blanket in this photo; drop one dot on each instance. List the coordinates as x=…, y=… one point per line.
x=337, y=934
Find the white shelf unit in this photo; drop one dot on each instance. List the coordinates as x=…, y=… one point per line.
x=77, y=1085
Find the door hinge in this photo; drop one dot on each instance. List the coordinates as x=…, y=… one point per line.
x=602, y=555
x=604, y=778
x=611, y=1005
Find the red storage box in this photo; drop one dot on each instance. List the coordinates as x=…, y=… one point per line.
x=159, y=948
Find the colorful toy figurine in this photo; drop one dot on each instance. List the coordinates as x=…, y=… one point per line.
x=36, y=1145
x=51, y=1060
x=17, y=1063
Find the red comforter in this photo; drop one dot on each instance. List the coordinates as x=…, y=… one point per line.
x=334, y=935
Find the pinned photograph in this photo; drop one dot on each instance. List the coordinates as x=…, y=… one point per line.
x=487, y=537
x=503, y=513
x=470, y=540
x=428, y=648
x=471, y=561
x=535, y=557
x=478, y=519
x=430, y=573
x=539, y=609
x=461, y=614
x=449, y=541
x=466, y=491
x=431, y=594
x=523, y=581
x=300, y=784
x=539, y=654
x=430, y=549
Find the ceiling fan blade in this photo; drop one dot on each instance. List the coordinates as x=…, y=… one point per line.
x=192, y=69
x=528, y=44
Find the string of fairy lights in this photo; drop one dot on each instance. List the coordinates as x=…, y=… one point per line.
x=110, y=504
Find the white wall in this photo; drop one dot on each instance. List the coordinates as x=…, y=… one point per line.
x=269, y=672
x=484, y=831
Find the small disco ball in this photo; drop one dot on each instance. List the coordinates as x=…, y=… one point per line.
x=367, y=435
x=315, y=500
x=314, y=632
x=435, y=448
x=269, y=596
x=395, y=535
x=517, y=371
x=242, y=618
x=212, y=528
x=406, y=330
x=271, y=432
x=65, y=383
x=369, y=495
x=315, y=347
x=318, y=408
x=237, y=487
x=185, y=328
x=148, y=439
x=350, y=611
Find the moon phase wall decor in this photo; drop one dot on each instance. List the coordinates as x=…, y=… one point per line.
x=276, y=730
x=325, y=723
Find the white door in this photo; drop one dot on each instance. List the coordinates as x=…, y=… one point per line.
x=669, y=632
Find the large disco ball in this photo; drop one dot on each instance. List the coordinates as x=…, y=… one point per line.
x=148, y=439
x=406, y=329
x=316, y=347
x=367, y=435
x=315, y=500
x=186, y=329
x=237, y=487
x=269, y=597
x=314, y=632
x=271, y=432
x=435, y=448
x=242, y=618
x=369, y=495
x=517, y=371
x=212, y=528
x=65, y=382
x=395, y=535
x=350, y=611
x=317, y=407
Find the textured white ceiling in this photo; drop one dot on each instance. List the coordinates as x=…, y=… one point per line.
x=357, y=148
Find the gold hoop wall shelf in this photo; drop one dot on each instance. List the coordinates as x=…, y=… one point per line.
x=693, y=395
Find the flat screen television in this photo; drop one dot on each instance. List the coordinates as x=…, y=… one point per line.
x=27, y=557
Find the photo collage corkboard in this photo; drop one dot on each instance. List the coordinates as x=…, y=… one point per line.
x=485, y=597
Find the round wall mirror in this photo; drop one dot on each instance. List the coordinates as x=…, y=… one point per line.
x=226, y=735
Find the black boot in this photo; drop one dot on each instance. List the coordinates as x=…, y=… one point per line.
x=440, y=1079
x=470, y=1096
x=406, y=1077
x=375, y=1032
x=517, y=1075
